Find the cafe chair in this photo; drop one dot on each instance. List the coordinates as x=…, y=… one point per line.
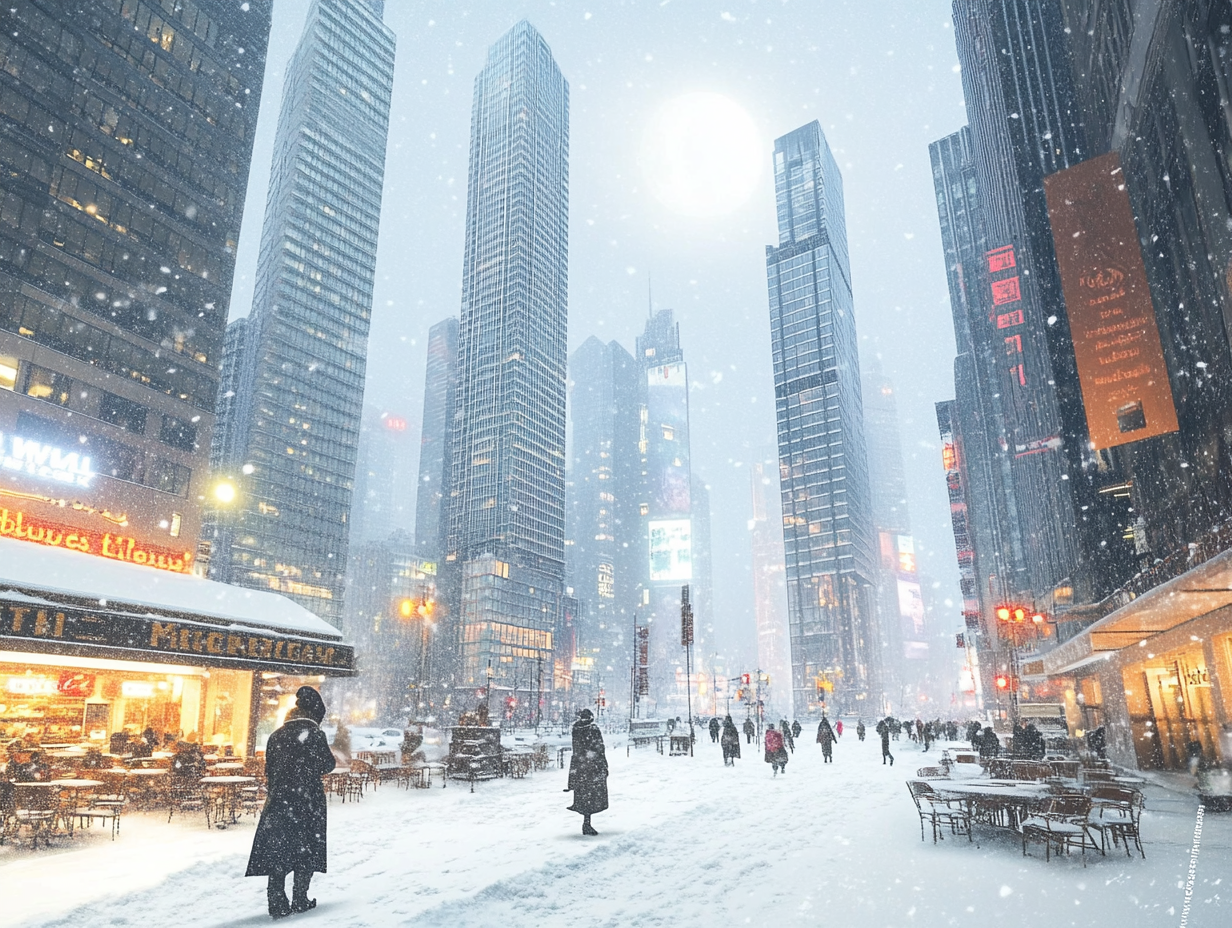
x=1116, y=814
x=187, y=797
x=1064, y=822
x=938, y=812
x=39, y=811
x=103, y=812
x=8, y=812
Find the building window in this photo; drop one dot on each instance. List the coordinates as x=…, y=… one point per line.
x=178, y=434
x=43, y=384
x=124, y=413
x=8, y=373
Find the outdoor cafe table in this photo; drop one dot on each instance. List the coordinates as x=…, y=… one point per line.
x=1016, y=797
x=74, y=787
x=229, y=765
x=229, y=796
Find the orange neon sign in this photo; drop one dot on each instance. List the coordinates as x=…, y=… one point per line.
x=17, y=524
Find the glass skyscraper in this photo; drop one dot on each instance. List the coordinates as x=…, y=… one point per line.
x=435, y=442
x=127, y=133
x=828, y=530
x=292, y=432
x=506, y=541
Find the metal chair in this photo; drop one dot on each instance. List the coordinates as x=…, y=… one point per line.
x=939, y=812
x=1064, y=822
x=1118, y=814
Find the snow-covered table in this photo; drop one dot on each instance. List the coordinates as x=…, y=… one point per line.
x=987, y=800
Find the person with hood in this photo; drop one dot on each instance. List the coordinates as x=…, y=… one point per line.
x=838, y=728
x=587, y=770
x=883, y=729
x=714, y=729
x=796, y=728
x=776, y=754
x=730, y=740
x=825, y=737
x=749, y=730
x=860, y=729
x=788, y=740
x=990, y=744
x=290, y=836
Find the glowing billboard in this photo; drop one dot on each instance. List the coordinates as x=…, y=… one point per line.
x=1112, y=325
x=671, y=550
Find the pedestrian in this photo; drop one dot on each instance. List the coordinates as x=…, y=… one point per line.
x=776, y=754
x=730, y=740
x=749, y=730
x=838, y=728
x=787, y=738
x=883, y=729
x=714, y=729
x=290, y=836
x=587, y=770
x=927, y=735
x=796, y=728
x=825, y=737
x=860, y=729
x=990, y=745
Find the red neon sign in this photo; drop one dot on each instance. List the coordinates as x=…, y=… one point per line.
x=1005, y=320
x=395, y=424
x=1001, y=259
x=1006, y=291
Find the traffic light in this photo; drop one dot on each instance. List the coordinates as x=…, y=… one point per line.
x=746, y=678
x=1002, y=681
x=406, y=608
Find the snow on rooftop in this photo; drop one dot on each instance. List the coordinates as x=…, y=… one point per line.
x=32, y=567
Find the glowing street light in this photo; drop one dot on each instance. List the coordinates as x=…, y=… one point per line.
x=224, y=492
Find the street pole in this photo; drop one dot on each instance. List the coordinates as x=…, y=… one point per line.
x=686, y=635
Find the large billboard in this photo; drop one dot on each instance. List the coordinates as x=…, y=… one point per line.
x=667, y=438
x=671, y=550
x=1112, y=324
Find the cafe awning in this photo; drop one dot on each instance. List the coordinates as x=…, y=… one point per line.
x=58, y=601
x=1193, y=594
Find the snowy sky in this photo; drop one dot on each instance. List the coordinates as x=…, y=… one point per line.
x=882, y=78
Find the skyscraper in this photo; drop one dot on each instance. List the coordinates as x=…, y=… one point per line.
x=383, y=501
x=827, y=510
x=605, y=487
x=507, y=490
x=127, y=136
x=769, y=582
x=295, y=421
x=435, y=458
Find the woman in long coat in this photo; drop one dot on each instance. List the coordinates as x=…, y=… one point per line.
x=291, y=834
x=588, y=770
x=730, y=740
x=825, y=737
x=776, y=754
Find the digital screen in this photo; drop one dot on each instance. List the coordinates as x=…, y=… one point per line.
x=671, y=550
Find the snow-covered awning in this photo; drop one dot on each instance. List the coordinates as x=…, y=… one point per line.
x=1193, y=594
x=55, y=600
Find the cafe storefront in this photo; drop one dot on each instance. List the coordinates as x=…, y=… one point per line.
x=90, y=648
x=1157, y=672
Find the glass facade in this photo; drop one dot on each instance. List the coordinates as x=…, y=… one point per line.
x=293, y=428
x=127, y=132
x=507, y=486
x=823, y=468
x=435, y=457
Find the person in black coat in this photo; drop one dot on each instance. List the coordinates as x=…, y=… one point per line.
x=587, y=770
x=749, y=730
x=825, y=737
x=796, y=728
x=714, y=729
x=883, y=729
x=291, y=834
x=730, y=740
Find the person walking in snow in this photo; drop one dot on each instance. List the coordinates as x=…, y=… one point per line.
x=860, y=729
x=776, y=754
x=290, y=836
x=825, y=737
x=795, y=730
x=787, y=738
x=730, y=740
x=587, y=770
x=714, y=729
x=838, y=728
x=883, y=729
x=749, y=730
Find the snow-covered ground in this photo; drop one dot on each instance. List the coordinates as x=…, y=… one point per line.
x=686, y=842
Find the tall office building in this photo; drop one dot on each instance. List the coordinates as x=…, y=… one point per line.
x=435, y=442
x=127, y=136
x=506, y=537
x=294, y=431
x=828, y=529
x=605, y=487
x=769, y=581
x=1024, y=124
x=384, y=498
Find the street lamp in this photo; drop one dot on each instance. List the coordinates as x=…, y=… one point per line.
x=224, y=492
x=421, y=609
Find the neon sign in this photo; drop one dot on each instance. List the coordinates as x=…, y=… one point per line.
x=44, y=461
x=17, y=524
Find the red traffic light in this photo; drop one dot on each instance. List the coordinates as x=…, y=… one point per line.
x=1002, y=681
x=746, y=678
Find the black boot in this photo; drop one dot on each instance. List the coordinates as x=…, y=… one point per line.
x=276, y=894
x=299, y=892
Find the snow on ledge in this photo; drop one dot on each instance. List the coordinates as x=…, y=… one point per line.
x=36, y=568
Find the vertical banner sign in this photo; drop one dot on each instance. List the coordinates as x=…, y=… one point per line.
x=1120, y=359
x=686, y=617
x=643, y=660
